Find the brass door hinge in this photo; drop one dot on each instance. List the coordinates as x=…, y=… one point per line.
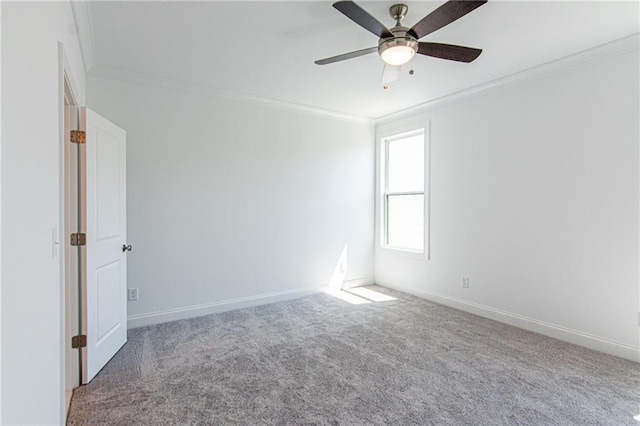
x=78, y=239
x=79, y=341
x=78, y=136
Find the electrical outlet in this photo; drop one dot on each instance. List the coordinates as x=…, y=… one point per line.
x=465, y=282
x=132, y=294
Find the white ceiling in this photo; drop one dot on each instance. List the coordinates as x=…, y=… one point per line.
x=267, y=48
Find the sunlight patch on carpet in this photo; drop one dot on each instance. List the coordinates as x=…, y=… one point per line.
x=372, y=295
x=359, y=295
x=347, y=297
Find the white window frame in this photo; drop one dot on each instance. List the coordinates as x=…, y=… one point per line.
x=390, y=134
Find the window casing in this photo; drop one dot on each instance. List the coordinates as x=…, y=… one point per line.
x=404, y=170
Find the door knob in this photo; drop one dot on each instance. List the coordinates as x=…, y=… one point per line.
x=126, y=247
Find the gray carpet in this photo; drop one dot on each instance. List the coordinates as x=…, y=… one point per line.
x=321, y=360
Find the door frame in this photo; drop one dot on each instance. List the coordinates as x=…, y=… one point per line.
x=67, y=92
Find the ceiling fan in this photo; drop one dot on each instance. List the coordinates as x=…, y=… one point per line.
x=398, y=45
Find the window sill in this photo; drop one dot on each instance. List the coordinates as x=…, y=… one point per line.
x=404, y=252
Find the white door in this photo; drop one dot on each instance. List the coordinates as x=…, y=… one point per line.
x=106, y=234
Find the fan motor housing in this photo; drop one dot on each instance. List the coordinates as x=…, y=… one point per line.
x=403, y=44
x=401, y=38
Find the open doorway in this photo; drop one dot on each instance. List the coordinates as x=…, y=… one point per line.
x=93, y=185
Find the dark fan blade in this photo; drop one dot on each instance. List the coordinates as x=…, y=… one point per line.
x=449, y=51
x=444, y=15
x=362, y=18
x=346, y=56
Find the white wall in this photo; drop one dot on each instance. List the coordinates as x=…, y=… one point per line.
x=230, y=200
x=32, y=376
x=534, y=196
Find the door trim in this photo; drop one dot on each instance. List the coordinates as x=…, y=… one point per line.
x=67, y=89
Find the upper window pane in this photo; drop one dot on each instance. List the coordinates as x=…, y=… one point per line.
x=406, y=164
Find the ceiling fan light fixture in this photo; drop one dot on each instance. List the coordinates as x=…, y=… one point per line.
x=398, y=51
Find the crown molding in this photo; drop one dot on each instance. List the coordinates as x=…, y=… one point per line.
x=82, y=16
x=81, y=10
x=119, y=74
x=614, y=48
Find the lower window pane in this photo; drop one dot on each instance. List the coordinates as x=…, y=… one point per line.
x=405, y=221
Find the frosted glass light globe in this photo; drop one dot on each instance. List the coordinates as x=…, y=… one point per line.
x=397, y=55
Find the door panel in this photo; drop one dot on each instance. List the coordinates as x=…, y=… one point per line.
x=108, y=292
x=107, y=185
x=106, y=229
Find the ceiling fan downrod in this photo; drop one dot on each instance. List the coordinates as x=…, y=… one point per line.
x=398, y=12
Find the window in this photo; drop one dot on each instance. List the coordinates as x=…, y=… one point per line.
x=404, y=200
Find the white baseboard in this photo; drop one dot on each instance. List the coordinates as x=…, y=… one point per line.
x=611, y=347
x=358, y=283
x=159, y=317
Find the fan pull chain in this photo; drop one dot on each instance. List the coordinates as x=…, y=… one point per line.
x=385, y=86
